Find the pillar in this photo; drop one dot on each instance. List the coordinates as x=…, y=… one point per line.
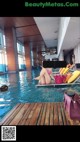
x=77, y=53
x=27, y=56
x=61, y=56
x=11, y=49
x=35, y=56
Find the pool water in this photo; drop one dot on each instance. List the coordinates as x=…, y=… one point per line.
x=22, y=89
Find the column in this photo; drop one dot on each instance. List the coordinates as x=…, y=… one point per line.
x=77, y=53
x=76, y=56
x=35, y=57
x=27, y=56
x=63, y=27
x=11, y=49
x=61, y=56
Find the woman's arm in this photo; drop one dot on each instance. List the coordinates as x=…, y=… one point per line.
x=52, y=77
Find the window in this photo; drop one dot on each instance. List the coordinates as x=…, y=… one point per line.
x=32, y=57
x=4, y=41
x=3, y=56
x=21, y=56
x=1, y=40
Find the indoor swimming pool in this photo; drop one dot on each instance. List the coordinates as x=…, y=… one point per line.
x=22, y=89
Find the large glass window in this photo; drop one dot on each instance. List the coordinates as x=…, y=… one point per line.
x=1, y=40
x=3, y=56
x=32, y=58
x=21, y=56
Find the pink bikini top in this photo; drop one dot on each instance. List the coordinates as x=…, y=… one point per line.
x=49, y=72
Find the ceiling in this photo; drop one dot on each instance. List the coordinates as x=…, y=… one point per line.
x=41, y=32
x=26, y=30
x=72, y=36
x=48, y=27
x=34, y=31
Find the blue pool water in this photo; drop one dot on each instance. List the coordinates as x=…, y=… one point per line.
x=22, y=89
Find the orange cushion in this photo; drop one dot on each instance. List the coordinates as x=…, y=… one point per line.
x=68, y=75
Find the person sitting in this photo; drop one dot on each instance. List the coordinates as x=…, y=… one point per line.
x=46, y=76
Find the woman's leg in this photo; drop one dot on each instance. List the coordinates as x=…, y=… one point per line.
x=43, y=71
x=42, y=80
x=47, y=78
x=37, y=78
x=41, y=74
x=44, y=77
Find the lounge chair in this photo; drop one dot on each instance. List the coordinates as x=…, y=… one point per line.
x=58, y=85
x=75, y=82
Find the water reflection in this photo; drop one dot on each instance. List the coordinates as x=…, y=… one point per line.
x=4, y=79
x=29, y=74
x=22, y=89
x=13, y=78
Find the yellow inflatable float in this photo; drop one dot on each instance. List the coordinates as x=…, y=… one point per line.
x=62, y=70
x=66, y=70
x=74, y=76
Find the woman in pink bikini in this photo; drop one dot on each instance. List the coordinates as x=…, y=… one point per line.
x=46, y=76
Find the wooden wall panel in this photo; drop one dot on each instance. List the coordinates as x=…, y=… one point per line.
x=11, y=50
x=27, y=56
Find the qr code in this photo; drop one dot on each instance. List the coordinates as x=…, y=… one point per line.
x=8, y=133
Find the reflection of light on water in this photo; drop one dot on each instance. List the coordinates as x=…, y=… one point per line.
x=8, y=100
x=28, y=90
x=23, y=89
x=2, y=100
x=4, y=83
x=4, y=105
x=29, y=73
